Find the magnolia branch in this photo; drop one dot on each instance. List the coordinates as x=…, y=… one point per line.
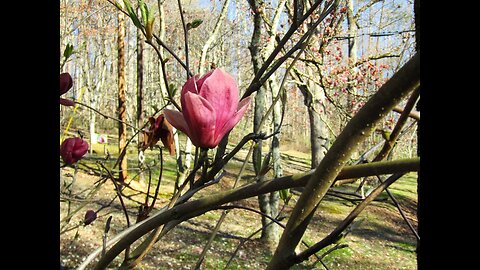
x=207, y=203
x=159, y=41
x=106, y=116
x=336, y=233
x=413, y=114
x=357, y=130
x=260, y=78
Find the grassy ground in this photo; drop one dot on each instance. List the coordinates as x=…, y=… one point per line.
x=379, y=238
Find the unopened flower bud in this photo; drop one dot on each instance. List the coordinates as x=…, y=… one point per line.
x=90, y=216
x=210, y=108
x=73, y=149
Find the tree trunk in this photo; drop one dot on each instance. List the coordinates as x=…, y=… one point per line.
x=318, y=129
x=259, y=108
x=92, y=99
x=352, y=50
x=122, y=113
x=316, y=139
x=272, y=232
x=140, y=116
x=212, y=37
x=420, y=264
x=313, y=98
x=268, y=202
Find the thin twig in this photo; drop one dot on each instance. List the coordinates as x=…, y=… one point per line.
x=200, y=206
x=260, y=78
x=224, y=214
x=336, y=233
x=157, y=189
x=397, y=204
x=275, y=220
x=106, y=116
x=119, y=194
x=185, y=36
x=159, y=41
x=165, y=78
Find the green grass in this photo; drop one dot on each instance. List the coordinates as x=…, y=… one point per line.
x=406, y=186
x=375, y=243
x=151, y=159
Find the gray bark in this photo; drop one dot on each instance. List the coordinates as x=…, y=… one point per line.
x=313, y=99
x=268, y=202
x=259, y=110
x=122, y=108
x=140, y=113
x=352, y=49
x=416, y=10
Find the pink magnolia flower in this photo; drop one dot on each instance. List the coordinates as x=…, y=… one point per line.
x=66, y=82
x=73, y=149
x=210, y=108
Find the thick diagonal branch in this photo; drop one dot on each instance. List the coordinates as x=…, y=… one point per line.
x=357, y=130
x=205, y=204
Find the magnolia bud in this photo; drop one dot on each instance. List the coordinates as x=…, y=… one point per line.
x=90, y=216
x=149, y=29
x=73, y=149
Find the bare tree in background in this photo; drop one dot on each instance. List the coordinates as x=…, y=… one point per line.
x=140, y=113
x=122, y=108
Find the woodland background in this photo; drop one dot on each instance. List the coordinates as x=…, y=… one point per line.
x=352, y=52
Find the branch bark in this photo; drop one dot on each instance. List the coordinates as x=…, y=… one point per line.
x=333, y=236
x=122, y=107
x=359, y=128
x=207, y=203
x=212, y=37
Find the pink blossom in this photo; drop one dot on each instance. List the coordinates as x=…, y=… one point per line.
x=73, y=149
x=210, y=108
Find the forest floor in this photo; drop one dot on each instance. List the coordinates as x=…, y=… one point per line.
x=379, y=238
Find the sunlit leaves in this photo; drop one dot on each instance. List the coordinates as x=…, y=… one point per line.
x=68, y=51
x=146, y=17
x=132, y=14
x=196, y=23
x=285, y=195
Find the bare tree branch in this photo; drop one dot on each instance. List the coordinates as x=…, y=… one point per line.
x=205, y=204
x=359, y=127
x=333, y=236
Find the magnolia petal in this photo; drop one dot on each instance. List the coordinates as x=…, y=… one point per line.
x=80, y=149
x=200, y=117
x=67, y=102
x=176, y=119
x=66, y=82
x=166, y=135
x=73, y=149
x=242, y=108
x=190, y=85
x=220, y=89
x=244, y=103
x=66, y=151
x=200, y=81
